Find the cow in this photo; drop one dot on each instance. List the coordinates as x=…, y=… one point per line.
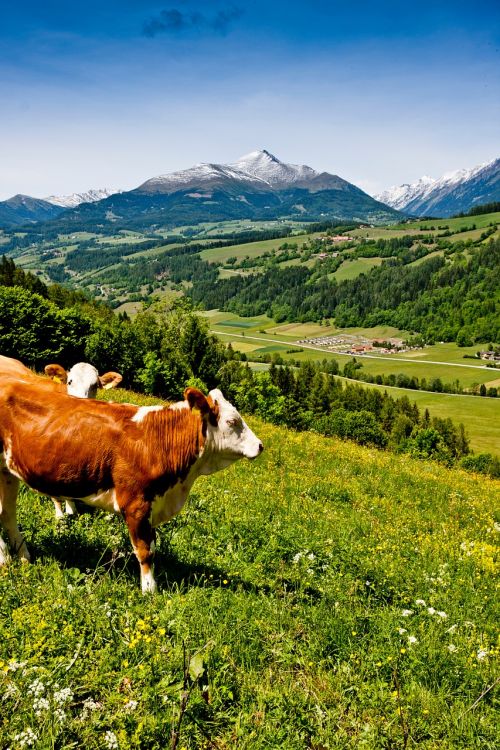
x=140, y=461
x=81, y=381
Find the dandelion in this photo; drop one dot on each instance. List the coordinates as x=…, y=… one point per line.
x=412, y=640
x=406, y=612
x=451, y=648
x=420, y=602
x=26, y=738
x=111, y=740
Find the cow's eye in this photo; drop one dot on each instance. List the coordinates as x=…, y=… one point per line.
x=235, y=422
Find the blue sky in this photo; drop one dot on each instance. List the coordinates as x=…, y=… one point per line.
x=110, y=93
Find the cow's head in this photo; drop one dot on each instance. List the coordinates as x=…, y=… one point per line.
x=83, y=379
x=228, y=437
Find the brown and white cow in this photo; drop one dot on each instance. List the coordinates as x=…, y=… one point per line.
x=137, y=461
x=81, y=381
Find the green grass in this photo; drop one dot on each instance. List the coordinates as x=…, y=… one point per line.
x=352, y=268
x=288, y=579
x=252, y=249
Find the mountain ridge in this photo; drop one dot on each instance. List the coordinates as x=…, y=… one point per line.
x=451, y=193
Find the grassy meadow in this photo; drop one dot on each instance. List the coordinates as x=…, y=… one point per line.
x=480, y=416
x=324, y=596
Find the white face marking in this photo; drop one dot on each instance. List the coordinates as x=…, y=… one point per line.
x=143, y=411
x=231, y=439
x=83, y=381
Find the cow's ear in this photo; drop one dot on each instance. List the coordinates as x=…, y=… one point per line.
x=57, y=373
x=110, y=380
x=205, y=404
x=197, y=400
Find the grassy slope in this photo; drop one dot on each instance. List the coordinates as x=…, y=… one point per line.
x=289, y=576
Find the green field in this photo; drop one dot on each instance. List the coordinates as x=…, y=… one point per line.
x=352, y=268
x=323, y=596
x=480, y=416
x=252, y=249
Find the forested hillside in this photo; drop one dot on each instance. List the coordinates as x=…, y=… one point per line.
x=445, y=299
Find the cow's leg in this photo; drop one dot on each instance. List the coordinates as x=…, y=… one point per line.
x=9, y=486
x=69, y=505
x=58, y=509
x=142, y=536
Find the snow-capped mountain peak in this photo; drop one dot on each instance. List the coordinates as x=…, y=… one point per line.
x=268, y=167
x=453, y=192
x=75, y=199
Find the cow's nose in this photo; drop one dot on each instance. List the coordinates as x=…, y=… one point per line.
x=261, y=447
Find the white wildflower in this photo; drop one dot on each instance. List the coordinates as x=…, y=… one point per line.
x=36, y=688
x=26, y=738
x=111, y=740
x=402, y=631
x=451, y=648
x=89, y=705
x=130, y=706
x=13, y=666
x=406, y=612
x=296, y=558
x=442, y=615
x=60, y=715
x=10, y=690
x=310, y=572
x=420, y=602
x=311, y=556
x=412, y=640
x=431, y=610
x=61, y=697
x=452, y=629
x=481, y=654
x=40, y=705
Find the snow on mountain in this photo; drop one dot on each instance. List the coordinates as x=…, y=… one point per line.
x=75, y=199
x=398, y=196
x=208, y=175
x=455, y=191
x=258, y=169
x=269, y=168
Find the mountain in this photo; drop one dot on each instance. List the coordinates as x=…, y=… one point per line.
x=450, y=194
x=257, y=186
x=75, y=199
x=23, y=209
